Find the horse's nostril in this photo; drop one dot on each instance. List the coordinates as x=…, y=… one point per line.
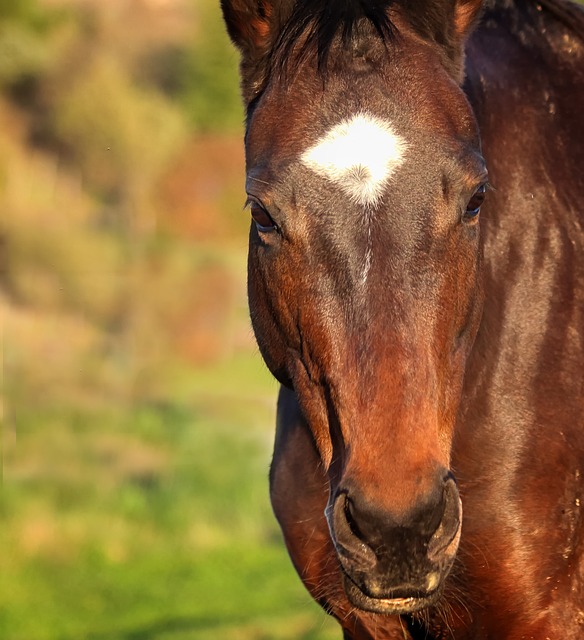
x=346, y=534
x=351, y=519
x=448, y=531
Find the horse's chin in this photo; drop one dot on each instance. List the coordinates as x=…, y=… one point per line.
x=388, y=606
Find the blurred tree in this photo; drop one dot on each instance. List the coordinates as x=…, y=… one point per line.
x=23, y=11
x=92, y=116
x=208, y=82
x=119, y=134
x=23, y=52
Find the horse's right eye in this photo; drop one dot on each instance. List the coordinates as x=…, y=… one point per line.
x=474, y=205
x=261, y=217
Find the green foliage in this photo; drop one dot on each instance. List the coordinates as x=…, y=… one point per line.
x=22, y=53
x=120, y=134
x=208, y=78
x=25, y=29
x=43, y=267
x=27, y=13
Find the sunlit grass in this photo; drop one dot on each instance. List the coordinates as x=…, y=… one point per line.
x=151, y=522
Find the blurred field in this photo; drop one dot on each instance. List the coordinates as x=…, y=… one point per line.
x=137, y=417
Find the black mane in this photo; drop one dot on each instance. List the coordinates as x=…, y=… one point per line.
x=313, y=26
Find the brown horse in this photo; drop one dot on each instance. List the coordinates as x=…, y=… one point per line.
x=428, y=472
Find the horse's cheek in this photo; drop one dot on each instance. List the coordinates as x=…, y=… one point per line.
x=270, y=323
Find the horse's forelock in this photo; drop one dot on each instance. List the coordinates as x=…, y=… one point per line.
x=313, y=26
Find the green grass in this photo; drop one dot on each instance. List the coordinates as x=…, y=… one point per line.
x=151, y=522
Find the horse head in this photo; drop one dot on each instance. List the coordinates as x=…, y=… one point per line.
x=365, y=181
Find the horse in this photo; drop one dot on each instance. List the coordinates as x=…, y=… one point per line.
x=414, y=177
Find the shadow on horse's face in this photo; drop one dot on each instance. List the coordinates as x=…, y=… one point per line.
x=365, y=296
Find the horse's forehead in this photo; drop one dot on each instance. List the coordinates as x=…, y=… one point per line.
x=331, y=133
x=357, y=139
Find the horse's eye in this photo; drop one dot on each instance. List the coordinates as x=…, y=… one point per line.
x=474, y=204
x=261, y=217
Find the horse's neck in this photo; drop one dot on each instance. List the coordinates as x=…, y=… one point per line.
x=527, y=89
x=565, y=12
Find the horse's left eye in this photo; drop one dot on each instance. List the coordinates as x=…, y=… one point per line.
x=261, y=217
x=474, y=204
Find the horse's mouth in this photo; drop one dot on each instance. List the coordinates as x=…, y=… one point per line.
x=387, y=606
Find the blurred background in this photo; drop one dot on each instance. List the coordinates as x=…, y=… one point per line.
x=137, y=416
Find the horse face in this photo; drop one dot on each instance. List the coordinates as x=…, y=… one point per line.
x=364, y=291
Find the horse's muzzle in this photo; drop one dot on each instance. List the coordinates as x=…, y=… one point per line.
x=396, y=565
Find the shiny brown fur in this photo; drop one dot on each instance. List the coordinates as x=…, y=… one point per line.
x=464, y=351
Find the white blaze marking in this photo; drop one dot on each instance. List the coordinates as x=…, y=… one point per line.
x=359, y=155
x=369, y=253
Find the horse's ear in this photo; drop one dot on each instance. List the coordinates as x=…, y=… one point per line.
x=248, y=24
x=253, y=25
x=447, y=23
x=466, y=15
